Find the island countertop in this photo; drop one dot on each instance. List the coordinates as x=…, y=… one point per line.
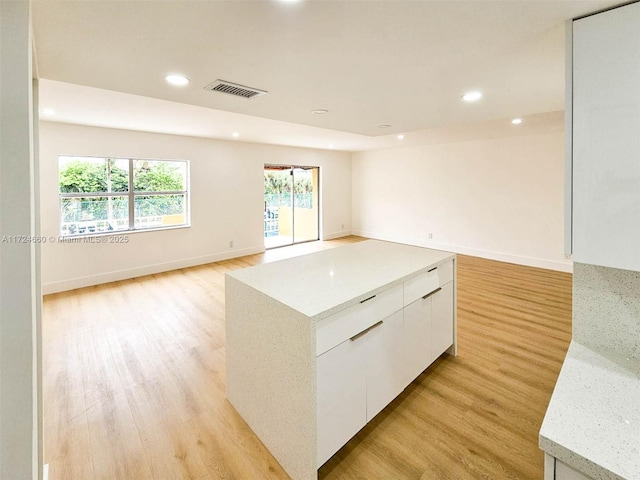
x=337, y=278
x=593, y=419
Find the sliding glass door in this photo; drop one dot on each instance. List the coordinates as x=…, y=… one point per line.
x=291, y=205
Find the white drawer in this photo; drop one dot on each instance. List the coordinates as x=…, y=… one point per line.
x=347, y=323
x=427, y=282
x=445, y=272
x=420, y=286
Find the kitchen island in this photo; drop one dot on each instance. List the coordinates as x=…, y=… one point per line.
x=317, y=345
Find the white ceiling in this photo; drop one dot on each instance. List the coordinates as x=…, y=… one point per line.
x=403, y=63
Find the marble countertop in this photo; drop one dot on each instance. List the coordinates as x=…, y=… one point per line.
x=321, y=283
x=593, y=420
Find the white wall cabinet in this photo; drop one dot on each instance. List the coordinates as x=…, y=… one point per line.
x=603, y=168
x=606, y=139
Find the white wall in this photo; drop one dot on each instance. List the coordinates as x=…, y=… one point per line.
x=499, y=198
x=20, y=400
x=226, y=202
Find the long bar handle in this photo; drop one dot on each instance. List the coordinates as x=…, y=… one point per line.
x=365, y=331
x=367, y=299
x=432, y=293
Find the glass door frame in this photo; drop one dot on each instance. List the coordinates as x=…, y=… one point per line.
x=315, y=189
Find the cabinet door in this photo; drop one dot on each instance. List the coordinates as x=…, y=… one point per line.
x=341, y=395
x=565, y=472
x=442, y=320
x=418, y=353
x=606, y=143
x=385, y=364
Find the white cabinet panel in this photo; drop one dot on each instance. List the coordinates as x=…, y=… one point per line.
x=417, y=338
x=445, y=272
x=428, y=330
x=606, y=139
x=549, y=467
x=342, y=396
x=356, y=380
x=442, y=320
x=368, y=353
x=385, y=363
x=565, y=472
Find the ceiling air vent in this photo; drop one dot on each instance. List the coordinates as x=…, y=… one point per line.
x=234, y=89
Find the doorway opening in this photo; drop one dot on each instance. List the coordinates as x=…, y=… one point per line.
x=291, y=205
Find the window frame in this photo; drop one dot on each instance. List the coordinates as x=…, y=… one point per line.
x=130, y=194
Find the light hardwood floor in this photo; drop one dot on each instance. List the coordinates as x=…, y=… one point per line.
x=134, y=376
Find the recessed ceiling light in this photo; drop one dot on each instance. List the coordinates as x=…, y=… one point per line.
x=235, y=134
x=177, y=80
x=516, y=121
x=384, y=126
x=319, y=111
x=331, y=145
x=48, y=111
x=472, y=96
x=400, y=137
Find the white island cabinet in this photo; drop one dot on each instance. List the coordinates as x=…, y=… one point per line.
x=318, y=345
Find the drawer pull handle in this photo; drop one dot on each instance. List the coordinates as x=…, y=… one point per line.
x=434, y=268
x=365, y=331
x=367, y=299
x=432, y=293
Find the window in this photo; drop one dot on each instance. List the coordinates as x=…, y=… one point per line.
x=108, y=195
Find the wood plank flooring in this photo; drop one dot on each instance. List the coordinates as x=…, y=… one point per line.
x=134, y=378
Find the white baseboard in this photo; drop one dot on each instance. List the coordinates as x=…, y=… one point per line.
x=558, y=265
x=331, y=236
x=88, y=281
